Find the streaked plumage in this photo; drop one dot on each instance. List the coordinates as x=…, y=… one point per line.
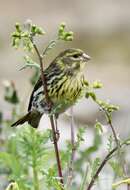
x=65, y=84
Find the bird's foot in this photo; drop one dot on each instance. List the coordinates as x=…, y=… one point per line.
x=55, y=137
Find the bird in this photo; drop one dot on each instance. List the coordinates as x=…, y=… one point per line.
x=66, y=84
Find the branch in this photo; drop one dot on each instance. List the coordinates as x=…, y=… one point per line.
x=109, y=122
x=113, y=130
x=105, y=107
x=42, y=73
x=108, y=157
x=50, y=107
x=51, y=44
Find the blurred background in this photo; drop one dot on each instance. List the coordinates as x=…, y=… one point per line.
x=102, y=30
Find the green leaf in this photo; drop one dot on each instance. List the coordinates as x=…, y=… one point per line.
x=24, y=34
x=32, y=143
x=27, y=44
x=95, y=165
x=16, y=42
x=98, y=126
x=97, y=84
x=64, y=35
x=110, y=143
x=80, y=134
x=36, y=30
x=127, y=142
x=39, y=31
x=124, y=181
x=91, y=94
x=117, y=168
x=18, y=27
x=12, y=162
x=30, y=63
x=52, y=180
x=107, y=106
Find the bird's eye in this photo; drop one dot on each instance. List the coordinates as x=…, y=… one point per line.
x=76, y=56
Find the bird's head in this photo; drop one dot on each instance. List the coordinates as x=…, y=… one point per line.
x=72, y=61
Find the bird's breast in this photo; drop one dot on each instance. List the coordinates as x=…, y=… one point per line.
x=63, y=94
x=68, y=90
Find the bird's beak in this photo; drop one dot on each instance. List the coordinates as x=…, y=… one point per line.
x=86, y=57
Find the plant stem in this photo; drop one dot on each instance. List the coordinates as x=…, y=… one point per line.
x=100, y=168
x=72, y=136
x=42, y=74
x=70, y=172
x=72, y=141
x=56, y=148
x=35, y=178
x=108, y=117
x=34, y=163
x=84, y=179
x=128, y=186
x=49, y=106
x=51, y=44
x=113, y=130
x=107, y=157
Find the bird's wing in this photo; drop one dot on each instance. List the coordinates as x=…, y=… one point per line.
x=36, y=87
x=48, y=75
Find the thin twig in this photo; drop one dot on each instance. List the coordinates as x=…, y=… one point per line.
x=110, y=123
x=84, y=179
x=128, y=186
x=51, y=44
x=49, y=106
x=114, y=133
x=70, y=172
x=108, y=157
x=56, y=150
x=113, y=130
x=100, y=168
x=72, y=139
x=42, y=74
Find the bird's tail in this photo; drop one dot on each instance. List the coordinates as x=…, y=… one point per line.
x=21, y=120
x=33, y=118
